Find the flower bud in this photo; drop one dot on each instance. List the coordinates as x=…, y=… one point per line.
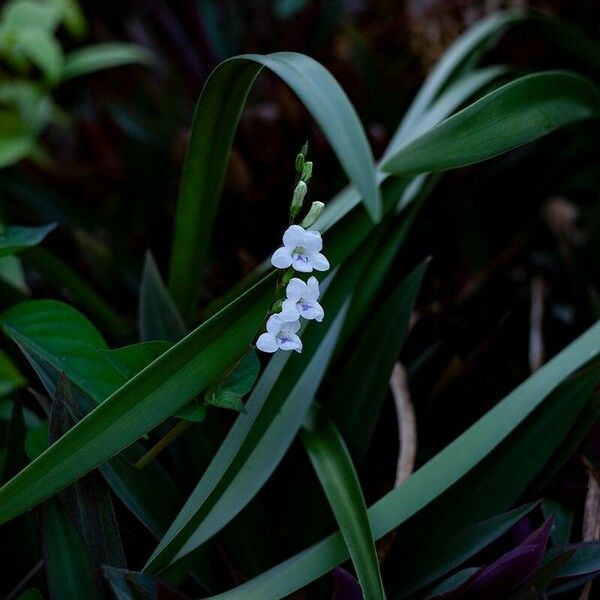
x=306, y=171
x=298, y=198
x=276, y=306
x=316, y=210
x=299, y=163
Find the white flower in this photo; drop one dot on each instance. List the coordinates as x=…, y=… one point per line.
x=281, y=333
x=301, y=250
x=302, y=298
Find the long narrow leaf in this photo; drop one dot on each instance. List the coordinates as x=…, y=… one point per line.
x=14, y=238
x=366, y=375
x=158, y=317
x=331, y=460
x=515, y=114
x=102, y=56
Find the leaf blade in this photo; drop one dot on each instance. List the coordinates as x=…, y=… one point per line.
x=515, y=114
x=333, y=465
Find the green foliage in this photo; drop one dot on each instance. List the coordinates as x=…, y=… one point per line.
x=142, y=420
x=29, y=42
x=331, y=460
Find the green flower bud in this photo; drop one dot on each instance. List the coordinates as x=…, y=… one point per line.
x=307, y=171
x=277, y=306
x=298, y=198
x=299, y=163
x=316, y=210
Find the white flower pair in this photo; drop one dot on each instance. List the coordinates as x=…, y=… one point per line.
x=302, y=251
x=282, y=328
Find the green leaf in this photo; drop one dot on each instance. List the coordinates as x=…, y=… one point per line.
x=542, y=579
x=189, y=367
x=11, y=272
x=243, y=376
x=36, y=440
x=563, y=521
x=514, y=114
x=453, y=583
x=73, y=17
x=224, y=398
x=365, y=377
x=460, y=54
x=585, y=560
x=333, y=465
x=230, y=393
x=22, y=15
x=14, y=452
x=68, y=566
x=14, y=238
x=87, y=501
x=446, y=469
x=66, y=339
x=130, y=360
x=44, y=51
x=62, y=277
x=103, y=56
x=10, y=377
x=215, y=121
x=158, y=317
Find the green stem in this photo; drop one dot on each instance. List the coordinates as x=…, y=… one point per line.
x=171, y=435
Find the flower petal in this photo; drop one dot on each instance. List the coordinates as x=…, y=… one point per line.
x=282, y=258
x=309, y=311
x=290, y=306
x=319, y=262
x=297, y=343
x=320, y=312
x=274, y=324
x=291, y=342
x=293, y=236
x=295, y=289
x=312, y=241
x=312, y=289
x=302, y=263
x=289, y=316
x=267, y=343
x=293, y=326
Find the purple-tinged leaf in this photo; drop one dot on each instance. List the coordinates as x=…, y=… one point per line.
x=346, y=586
x=514, y=568
x=540, y=536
